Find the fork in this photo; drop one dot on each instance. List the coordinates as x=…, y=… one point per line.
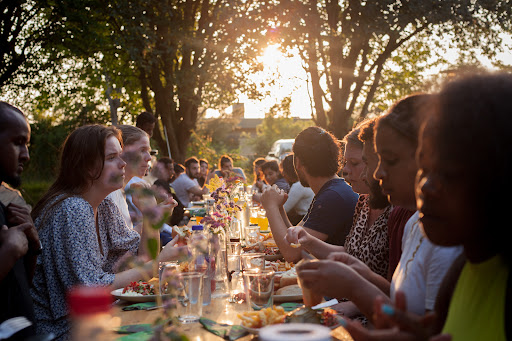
x=11, y=326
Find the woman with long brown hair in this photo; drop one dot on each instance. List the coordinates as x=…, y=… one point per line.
x=83, y=233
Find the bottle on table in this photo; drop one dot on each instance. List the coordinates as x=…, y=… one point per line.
x=201, y=259
x=89, y=309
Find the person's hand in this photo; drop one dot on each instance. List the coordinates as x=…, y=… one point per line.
x=172, y=252
x=297, y=235
x=259, y=184
x=168, y=204
x=354, y=263
x=328, y=278
x=14, y=241
x=273, y=196
x=393, y=322
x=19, y=215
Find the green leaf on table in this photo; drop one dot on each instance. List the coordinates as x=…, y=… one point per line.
x=135, y=328
x=153, y=247
x=140, y=336
x=139, y=306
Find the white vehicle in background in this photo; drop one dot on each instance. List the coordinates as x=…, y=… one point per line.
x=280, y=149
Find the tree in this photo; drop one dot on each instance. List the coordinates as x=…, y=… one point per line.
x=177, y=57
x=277, y=125
x=348, y=44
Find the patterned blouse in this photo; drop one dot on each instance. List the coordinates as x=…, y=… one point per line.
x=369, y=244
x=71, y=255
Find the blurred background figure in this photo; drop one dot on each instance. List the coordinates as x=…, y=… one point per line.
x=299, y=197
x=146, y=122
x=226, y=169
x=273, y=175
x=163, y=172
x=203, y=172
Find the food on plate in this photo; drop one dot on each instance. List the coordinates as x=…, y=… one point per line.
x=139, y=288
x=295, y=245
x=289, y=290
x=263, y=317
x=288, y=278
x=280, y=265
x=326, y=317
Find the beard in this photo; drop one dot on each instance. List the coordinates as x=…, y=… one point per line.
x=13, y=180
x=302, y=178
x=192, y=176
x=377, y=200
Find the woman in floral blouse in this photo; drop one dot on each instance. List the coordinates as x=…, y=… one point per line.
x=83, y=234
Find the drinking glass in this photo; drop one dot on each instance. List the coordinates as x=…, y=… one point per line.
x=259, y=288
x=252, y=261
x=190, y=305
x=168, y=272
x=263, y=220
x=252, y=234
x=234, y=248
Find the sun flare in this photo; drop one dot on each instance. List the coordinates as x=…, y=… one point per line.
x=272, y=57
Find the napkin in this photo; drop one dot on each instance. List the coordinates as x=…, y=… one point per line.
x=139, y=306
x=136, y=332
x=225, y=331
x=290, y=306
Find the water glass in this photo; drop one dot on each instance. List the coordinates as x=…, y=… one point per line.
x=233, y=248
x=252, y=261
x=168, y=273
x=252, y=234
x=190, y=306
x=259, y=288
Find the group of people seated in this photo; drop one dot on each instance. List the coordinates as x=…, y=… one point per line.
x=409, y=241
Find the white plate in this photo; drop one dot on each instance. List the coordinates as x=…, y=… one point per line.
x=256, y=331
x=118, y=293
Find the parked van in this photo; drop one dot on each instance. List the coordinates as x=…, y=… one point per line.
x=280, y=149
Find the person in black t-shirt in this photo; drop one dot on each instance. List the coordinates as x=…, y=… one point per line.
x=19, y=241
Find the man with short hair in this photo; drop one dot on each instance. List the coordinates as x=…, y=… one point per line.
x=317, y=160
x=146, y=121
x=19, y=241
x=186, y=186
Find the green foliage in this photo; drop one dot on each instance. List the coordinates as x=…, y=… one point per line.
x=32, y=191
x=45, y=147
x=346, y=46
x=277, y=125
x=213, y=138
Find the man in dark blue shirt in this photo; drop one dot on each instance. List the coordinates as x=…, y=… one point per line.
x=317, y=160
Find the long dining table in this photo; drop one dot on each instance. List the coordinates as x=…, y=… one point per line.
x=220, y=310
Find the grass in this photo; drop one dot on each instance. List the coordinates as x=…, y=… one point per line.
x=33, y=190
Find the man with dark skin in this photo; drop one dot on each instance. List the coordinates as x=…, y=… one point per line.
x=19, y=241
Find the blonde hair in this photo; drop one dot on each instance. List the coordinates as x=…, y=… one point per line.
x=131, y=134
